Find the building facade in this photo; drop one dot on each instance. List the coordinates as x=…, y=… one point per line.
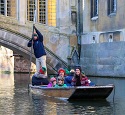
x=56, y=22
x=94, y=28
x=103, y=20
x=102, y=39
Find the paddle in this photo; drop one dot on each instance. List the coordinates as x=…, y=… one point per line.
x=34, y=20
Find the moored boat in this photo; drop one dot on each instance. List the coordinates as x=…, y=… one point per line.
x=74, y=93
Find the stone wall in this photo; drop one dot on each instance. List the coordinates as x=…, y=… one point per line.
x=6, y=60
x=54, y=40
x=11, y=62
x=23, y=65
x=57, y=38
x=104, y=59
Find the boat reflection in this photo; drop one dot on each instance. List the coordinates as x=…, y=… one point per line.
x=44, y=105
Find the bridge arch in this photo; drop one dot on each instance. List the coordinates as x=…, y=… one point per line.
x=18, y=43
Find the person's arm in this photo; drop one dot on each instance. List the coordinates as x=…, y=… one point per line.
x=73, y=82
x=73, y=79
x=29, y=43
x=40, y=36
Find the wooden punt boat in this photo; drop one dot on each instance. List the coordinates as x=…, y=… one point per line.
x=74, y=93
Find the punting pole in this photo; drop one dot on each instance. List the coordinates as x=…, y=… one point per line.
x=34, y=20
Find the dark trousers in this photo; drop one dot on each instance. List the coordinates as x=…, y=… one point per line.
x=39, y=81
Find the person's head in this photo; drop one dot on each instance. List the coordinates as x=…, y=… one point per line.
x=60, y=80
x=67, y=72
x=72, y=71
x=78, y=70
x=53, y=80
x=42, y=70
x=35, y=36
x=61, y=72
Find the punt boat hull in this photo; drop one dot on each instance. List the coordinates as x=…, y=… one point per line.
x=74, y=93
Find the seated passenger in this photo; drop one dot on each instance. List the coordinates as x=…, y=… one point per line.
x=84, y=80
x=52, y=82
x=67, y=72
x=61, y=72
x=40, y=78
x=89, y=81
x=68, y=79
x=60, y=82
x=79, y=78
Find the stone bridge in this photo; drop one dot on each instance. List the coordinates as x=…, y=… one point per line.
x=15, y=36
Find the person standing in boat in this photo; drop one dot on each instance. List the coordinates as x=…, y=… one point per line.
x=79, y=78
x=39, y=50
x=60, y=82
x=40, y=78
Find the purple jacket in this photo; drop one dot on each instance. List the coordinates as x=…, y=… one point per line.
x=50, y=84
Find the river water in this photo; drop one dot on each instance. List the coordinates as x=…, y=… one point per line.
x=16, y=100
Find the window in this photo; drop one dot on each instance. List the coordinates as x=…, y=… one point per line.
x=94, y=8
x=2, y=7
x=111, y=6
x=93, y=39
x=73, y=17
x=11, y=8
x=30, y=9
x=46, y=11
x=110, y=37
x=42, y=11
x=8, y=7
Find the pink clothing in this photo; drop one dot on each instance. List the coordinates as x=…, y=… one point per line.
x=84, y=81
x=50, y=84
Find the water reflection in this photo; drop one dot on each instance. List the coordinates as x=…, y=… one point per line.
x=6, y=94
x=61, y=107
x=21, y=97
x=119, y=100
x=15, y=99
x=107, y=107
